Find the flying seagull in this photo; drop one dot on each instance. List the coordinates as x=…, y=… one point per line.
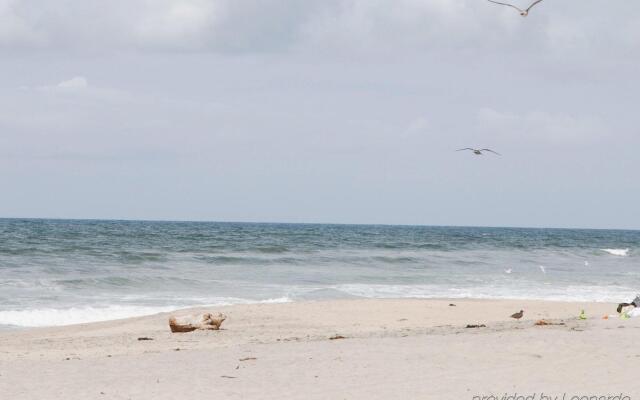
x=522, y=12
x=478, y=152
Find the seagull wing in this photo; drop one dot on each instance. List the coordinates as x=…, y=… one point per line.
x=466, y=148
x=533, y=4
x=511, y=5
x=489, y=150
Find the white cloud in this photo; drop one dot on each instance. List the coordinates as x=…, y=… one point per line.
x=14, y=30
x=418, y=126
x=176, y=23
x=542, y=126
x=343, y=25
x=371, y=24
x=75, y=83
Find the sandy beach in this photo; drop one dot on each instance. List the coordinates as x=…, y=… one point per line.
x=399, y=349
x=359, y=196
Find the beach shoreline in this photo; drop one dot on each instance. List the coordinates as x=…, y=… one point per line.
x=547, y=304
x=391, y=348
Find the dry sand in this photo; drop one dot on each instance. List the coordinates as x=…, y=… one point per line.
x=393, y=349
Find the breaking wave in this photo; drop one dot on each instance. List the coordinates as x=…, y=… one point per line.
x=41, y=317
x=575, y=293
x=617, y=252
x=76, y=315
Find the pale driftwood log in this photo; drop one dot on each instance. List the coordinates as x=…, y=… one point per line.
x=191, y=323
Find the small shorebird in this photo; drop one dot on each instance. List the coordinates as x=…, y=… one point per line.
x=522, y=12
x=508, y=271
x=543, y=269
x=478, y=152
x=518, y=315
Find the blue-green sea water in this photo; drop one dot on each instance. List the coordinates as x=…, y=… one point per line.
x=56, y=272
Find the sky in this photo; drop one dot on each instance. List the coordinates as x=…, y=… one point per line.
x=337, y=111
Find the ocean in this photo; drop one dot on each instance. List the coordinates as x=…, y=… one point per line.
x=60, y=272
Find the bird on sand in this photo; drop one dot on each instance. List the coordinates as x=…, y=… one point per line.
x=522, y=12
x=478, y=152
x=518, y=315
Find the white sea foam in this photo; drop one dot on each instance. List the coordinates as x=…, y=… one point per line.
x=617, y=252
x=277, y=300
x=76, y=315
x=79, y=315
x=234, y=300
x=577, y=293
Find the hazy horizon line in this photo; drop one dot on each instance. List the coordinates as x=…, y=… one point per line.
x=312, y=223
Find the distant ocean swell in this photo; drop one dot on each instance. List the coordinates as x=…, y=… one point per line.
x=67, y=272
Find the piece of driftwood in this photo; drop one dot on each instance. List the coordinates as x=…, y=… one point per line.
x=470, y=326
x=206, y=321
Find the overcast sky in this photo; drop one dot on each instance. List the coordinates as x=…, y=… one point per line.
x=345, y=111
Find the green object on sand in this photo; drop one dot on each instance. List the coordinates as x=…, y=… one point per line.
x=582, y=315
